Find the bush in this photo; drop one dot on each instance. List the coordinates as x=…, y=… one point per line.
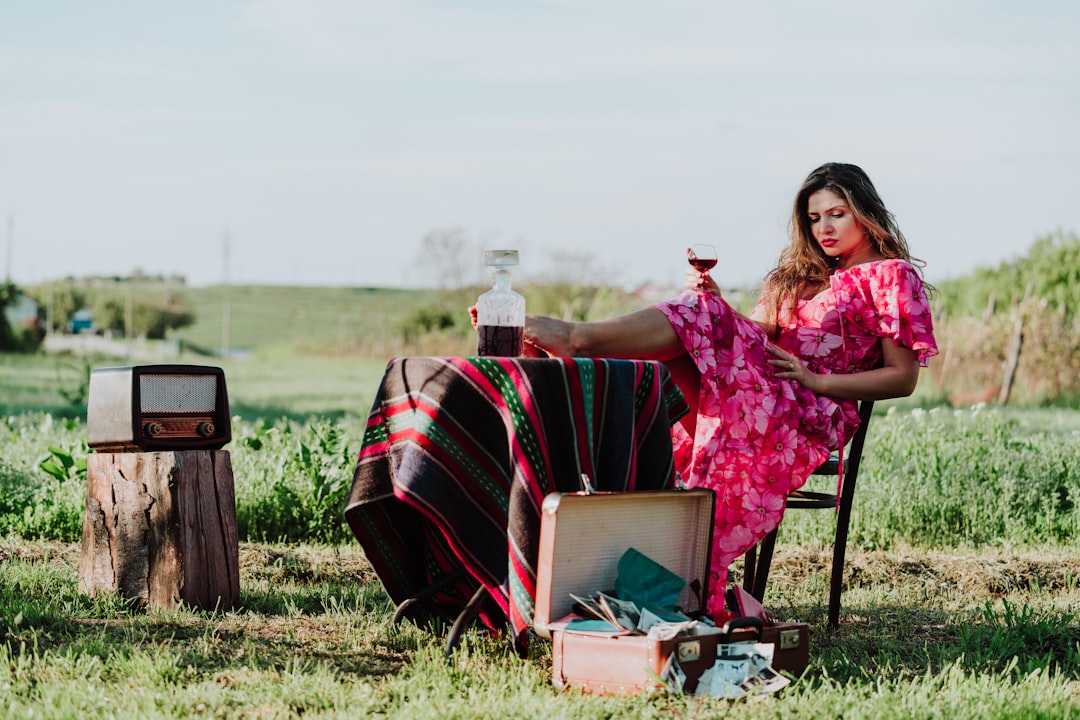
x=947, y=478
x=977, y=316
x=45, y=503
x=292, y=483
x=938, y=478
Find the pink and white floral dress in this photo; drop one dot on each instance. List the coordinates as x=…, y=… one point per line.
x=759, y=437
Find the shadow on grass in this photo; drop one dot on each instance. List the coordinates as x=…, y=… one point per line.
x=323, y=608
x=343, y=628
x=999, y=638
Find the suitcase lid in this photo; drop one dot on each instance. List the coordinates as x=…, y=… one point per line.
x=583, y=536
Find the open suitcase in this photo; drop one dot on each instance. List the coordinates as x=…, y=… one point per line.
x=582, y=537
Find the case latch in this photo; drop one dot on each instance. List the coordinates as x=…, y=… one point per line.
x=688, y=651
x=789, y=639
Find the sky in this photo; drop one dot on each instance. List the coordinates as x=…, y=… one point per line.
x=317, y=142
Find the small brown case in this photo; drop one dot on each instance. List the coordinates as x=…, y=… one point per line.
x=582, y=537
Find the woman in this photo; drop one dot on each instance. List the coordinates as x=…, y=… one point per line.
x=842, y=317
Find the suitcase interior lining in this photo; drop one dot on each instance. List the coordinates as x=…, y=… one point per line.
x=671, y=528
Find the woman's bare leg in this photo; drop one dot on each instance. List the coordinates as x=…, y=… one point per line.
x=688, y=378
x=643, y=335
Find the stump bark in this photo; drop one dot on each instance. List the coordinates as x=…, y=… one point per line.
x=160, y=527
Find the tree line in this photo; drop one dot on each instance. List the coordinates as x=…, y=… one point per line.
x=996, y=325
x=127, y=307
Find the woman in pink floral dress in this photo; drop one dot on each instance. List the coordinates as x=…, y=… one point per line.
x=843, y=317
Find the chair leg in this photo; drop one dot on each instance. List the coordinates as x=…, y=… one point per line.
x=749, y=568
x=761, y=572
x=836, y=584
x=467, y=615
x=843, y=518
x=426, y=593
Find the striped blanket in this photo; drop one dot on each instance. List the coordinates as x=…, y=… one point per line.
x=459, y=453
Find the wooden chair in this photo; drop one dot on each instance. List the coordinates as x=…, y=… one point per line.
x=757, y=560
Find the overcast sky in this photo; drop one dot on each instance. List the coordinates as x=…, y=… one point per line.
x=318, y=141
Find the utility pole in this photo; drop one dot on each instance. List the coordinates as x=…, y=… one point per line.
x=49, y=311
x=129, y=314
x=10, y=245
x=226, y=311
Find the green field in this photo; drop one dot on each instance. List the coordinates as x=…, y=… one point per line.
x=293, y=351
x=274, y=384
x=323, y=320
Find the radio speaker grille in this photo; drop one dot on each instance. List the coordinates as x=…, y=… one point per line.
x=177, y=393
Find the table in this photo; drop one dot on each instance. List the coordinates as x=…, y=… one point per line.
x=459, y=453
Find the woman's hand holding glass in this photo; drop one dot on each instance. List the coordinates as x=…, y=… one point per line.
x=702, y=258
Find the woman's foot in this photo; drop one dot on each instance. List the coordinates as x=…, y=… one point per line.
x=550, y=335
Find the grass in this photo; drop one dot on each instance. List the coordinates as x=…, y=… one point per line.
x=293, y=351
x=956, y=631
x=285, y=383
x=973, y=477
x=923, y=635
x=37, y=382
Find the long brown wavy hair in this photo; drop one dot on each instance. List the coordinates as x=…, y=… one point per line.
x=804, y=268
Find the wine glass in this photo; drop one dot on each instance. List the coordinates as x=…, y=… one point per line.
x=702, y=257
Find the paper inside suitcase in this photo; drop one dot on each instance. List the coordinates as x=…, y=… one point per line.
x=582, y=538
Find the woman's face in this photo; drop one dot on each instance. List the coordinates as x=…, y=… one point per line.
x=836, y=230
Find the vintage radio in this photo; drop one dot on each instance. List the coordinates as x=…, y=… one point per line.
x=157, y=407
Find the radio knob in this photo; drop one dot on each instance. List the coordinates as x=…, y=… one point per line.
x=152, y=428
x=206, y=429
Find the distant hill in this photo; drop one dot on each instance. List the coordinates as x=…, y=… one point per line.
x=327, y=319
x=250, y=318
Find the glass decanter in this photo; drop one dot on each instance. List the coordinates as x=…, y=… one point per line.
x=500, y=312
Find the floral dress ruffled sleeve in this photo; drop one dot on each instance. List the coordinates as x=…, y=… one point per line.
x=886, y=300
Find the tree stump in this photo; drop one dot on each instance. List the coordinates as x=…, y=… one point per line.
x=160, y=527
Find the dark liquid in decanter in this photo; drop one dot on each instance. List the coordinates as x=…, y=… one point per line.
x=500, y=340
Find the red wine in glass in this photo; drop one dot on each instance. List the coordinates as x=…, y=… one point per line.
x=702, y=257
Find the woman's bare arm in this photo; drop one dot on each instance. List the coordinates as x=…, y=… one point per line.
x=896, y=377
